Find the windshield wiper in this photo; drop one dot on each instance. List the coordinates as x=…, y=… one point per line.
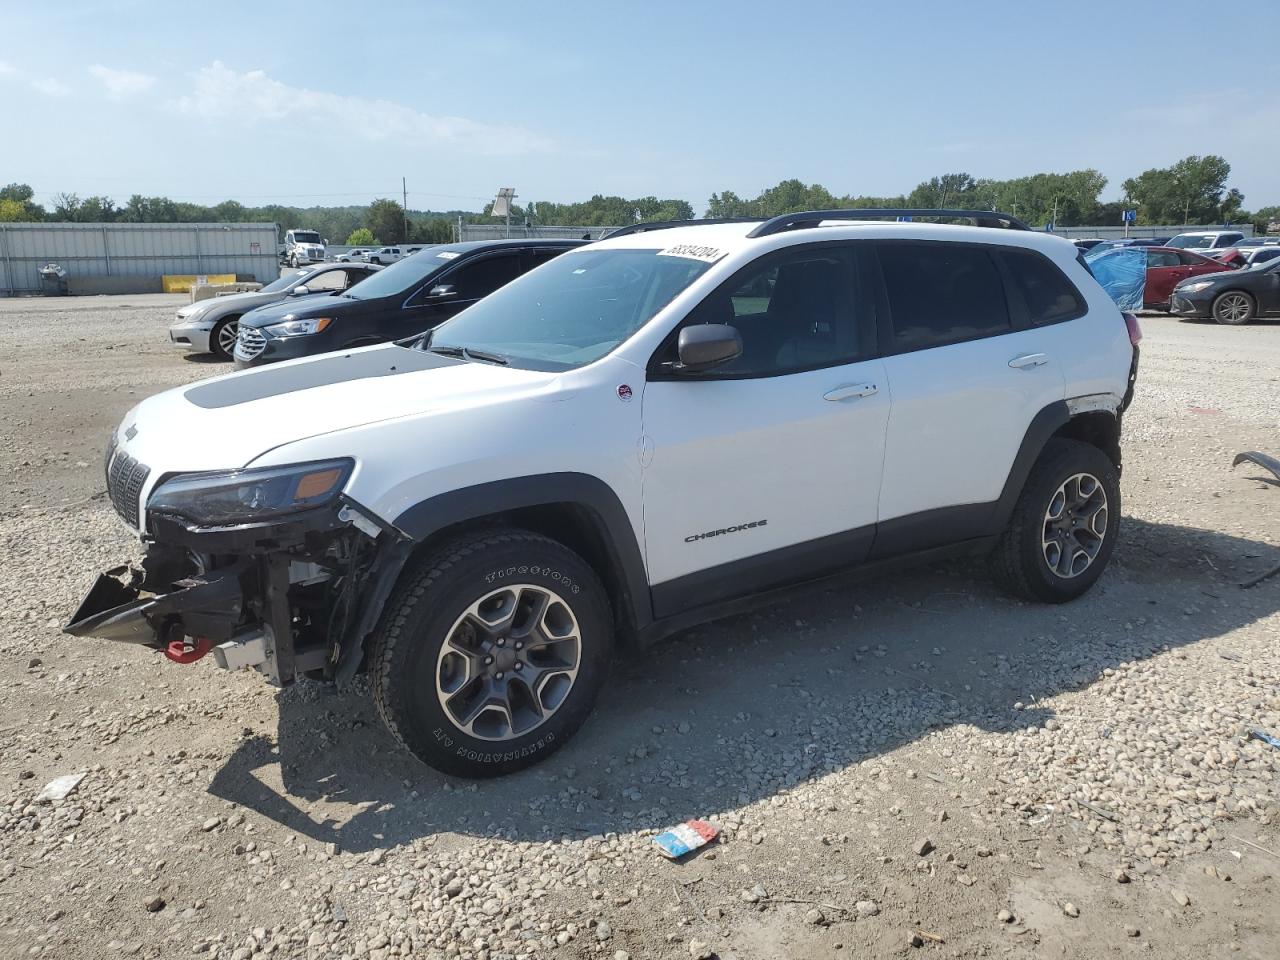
x=468, y=353
x=472, y=354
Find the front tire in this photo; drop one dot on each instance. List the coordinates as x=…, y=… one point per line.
x=1064, y=525
x=222, y=338
x=1233, y=308
x=489, y=656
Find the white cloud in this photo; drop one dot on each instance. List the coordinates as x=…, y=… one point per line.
x=50, y=87
x=252, y=96
x=122, y=84
x=7, y=68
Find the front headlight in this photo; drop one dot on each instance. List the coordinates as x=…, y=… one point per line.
x=196, y=314
x=248, y=496
x=1195, y=287
x=299, y=328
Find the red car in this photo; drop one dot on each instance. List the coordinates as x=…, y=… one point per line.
x=1168, y=266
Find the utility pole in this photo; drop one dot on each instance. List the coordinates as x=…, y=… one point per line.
x=1186, y=212
x=404, y=193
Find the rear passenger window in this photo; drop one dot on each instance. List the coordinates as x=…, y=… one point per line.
x=1049, y=296
x=942, y=293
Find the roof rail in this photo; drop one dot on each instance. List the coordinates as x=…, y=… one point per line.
x=811, y=218
x=669, y=224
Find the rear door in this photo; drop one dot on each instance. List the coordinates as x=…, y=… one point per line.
x=968, y=370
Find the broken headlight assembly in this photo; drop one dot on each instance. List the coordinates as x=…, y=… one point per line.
x=250, y=496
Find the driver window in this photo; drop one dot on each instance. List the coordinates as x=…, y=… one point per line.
x=795, y=311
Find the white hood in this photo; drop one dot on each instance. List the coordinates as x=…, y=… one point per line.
x=227, y=422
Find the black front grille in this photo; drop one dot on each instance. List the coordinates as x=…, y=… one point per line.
x=125, y=477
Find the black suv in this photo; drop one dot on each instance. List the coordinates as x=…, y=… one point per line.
x=410, y=296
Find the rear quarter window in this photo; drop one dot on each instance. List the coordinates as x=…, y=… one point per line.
x=1048, y=295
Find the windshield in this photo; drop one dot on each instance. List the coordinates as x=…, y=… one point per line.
x=1188, y=241
x=403, y=276
x=306, y=236
x=571, y=311
x=288, y=281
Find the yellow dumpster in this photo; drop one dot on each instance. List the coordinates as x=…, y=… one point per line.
x=182, y=283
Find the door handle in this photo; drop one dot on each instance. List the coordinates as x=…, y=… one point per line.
x=1029, y=360
x=851, y=391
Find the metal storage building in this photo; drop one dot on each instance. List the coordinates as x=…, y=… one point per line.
x=132, y=257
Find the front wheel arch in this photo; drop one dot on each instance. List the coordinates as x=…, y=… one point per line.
x=216, y=347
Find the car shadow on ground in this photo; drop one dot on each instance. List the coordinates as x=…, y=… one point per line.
x=203, y=358
x=737, y=710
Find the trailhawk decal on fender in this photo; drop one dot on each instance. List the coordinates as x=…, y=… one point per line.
x=693, y=538
x=694, y=251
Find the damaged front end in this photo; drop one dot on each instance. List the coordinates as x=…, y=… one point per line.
x=294, y=593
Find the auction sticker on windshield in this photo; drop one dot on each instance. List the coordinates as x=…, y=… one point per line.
x=447, y=255
x=694, y=251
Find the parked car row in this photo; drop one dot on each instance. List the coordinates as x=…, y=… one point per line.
x=333, y=306
x=409, y=297
x=1232, y=297
x=1231, y=285
x=211, y=326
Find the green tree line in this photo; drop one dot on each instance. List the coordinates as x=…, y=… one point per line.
x=1194, y=191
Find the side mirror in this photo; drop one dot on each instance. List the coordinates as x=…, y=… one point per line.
x=706, y=345
x=443, y=291
x=301, y=290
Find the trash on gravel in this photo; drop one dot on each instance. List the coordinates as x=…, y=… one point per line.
x=59, y=788
x=1265, y=738
x=685, y=838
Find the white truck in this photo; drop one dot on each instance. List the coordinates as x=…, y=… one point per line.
x=301, y=247
x=641, y=434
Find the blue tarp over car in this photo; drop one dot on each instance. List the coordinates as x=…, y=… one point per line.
x=1122, y=271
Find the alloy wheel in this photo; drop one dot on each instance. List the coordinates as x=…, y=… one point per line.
x=1075, y=525
x=1233, y=307
x=227, y=336
x=508, y=662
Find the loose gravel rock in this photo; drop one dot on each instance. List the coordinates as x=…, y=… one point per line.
x=1036, y=749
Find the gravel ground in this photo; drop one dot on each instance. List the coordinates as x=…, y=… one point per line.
x=905, y=765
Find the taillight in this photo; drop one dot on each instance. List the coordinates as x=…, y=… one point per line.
x=1135, y=331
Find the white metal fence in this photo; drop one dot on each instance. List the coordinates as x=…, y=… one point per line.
x=1117, y=233
x=139, y=250
x=499, y=231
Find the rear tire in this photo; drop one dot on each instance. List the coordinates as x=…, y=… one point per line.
x=1064, y=525
x=1234, y=308
x=491, y=651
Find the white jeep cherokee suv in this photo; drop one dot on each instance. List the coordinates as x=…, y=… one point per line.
x=644, y=433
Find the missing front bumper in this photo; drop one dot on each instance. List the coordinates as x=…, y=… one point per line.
x=119, y=607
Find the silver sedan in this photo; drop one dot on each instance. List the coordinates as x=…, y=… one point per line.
x=210, y=326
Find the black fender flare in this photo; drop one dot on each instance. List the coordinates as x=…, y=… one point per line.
x=423, y=520
x=1043, y=426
